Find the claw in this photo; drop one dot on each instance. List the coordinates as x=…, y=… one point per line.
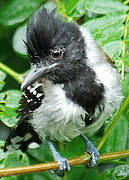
x=64, y=166
x=91, y=149
x=63, y=162
x=94, y=156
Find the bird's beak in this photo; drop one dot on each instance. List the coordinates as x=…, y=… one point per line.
x=35, y=73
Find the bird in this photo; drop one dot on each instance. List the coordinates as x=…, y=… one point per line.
x=71, y=89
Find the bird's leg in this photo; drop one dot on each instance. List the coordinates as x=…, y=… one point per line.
x=91, y=149
x=63, y=163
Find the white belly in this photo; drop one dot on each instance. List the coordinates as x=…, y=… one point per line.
x=58, y=117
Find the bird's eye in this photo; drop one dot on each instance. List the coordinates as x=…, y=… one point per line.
x=56, y=53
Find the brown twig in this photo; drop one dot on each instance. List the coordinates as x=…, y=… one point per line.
x=84, y=159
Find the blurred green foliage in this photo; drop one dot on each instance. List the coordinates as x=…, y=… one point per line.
x=108, y=23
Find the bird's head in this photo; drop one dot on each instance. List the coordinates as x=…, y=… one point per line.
x=56, y=49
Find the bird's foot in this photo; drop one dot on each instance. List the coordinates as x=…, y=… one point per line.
x=63, y=162
x=91, y=149
x=63, y=166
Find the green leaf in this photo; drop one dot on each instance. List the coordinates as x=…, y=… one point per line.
x=44, y=150
x=9, y=103
x=2, y=75
x=68, y=6
x=125, y=86
x=8, y=116
x=76, y=8
x=105, y=7
x=20, y=34
x=107, y=28
x=3, y=155
x=14, y=12
x=2, y=84
x=126, y=58
x=117, y=139
x=39, y=176
x=80, y=173
x=126, y=113
x=15, y=159
x=73, y=8
x=2, y=143
x=125, y=91
x=77, y=145
x=18, y=40
x=2, y=78
x=121, y=171
x=10, y=178
x=79, y=10
x=107, y=31
x=11, y=98
x=114, y=50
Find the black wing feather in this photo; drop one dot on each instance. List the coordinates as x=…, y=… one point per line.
x=23, y=133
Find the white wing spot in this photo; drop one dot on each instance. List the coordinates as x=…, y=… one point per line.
x=34, y=92
x=38, y=95
x=28, y=87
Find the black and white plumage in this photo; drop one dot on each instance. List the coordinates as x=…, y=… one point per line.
x=71, y=88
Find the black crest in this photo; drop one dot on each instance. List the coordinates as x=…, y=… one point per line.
x=45, y=31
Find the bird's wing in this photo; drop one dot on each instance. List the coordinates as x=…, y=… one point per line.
x=22, y=134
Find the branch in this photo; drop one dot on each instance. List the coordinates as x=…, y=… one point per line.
x=84, y=159
x=126, y=2
x=17, y=76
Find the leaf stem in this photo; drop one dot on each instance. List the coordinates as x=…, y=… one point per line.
x=54, y=165
x=121, y=110
x=17, y=76
x=126, y=2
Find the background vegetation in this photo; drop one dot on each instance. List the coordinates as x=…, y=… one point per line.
x=107, y=20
